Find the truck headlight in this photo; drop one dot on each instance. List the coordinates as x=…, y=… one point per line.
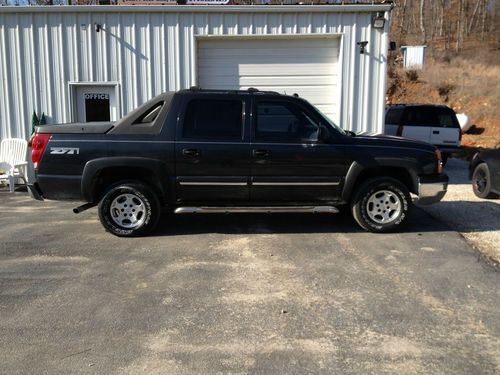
x=439, y=162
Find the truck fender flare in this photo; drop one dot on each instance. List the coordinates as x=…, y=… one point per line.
x=93, y=168
x=350, y=179
x=357, y=168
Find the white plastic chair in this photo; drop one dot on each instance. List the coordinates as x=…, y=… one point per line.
x=13, y=160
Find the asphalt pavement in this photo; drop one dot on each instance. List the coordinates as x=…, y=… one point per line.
x=238, y=294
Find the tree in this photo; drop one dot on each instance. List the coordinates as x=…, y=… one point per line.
x=422, y=25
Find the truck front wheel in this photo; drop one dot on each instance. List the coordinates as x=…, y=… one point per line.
x=481, y=182
x=381, y=204
x=129, y=209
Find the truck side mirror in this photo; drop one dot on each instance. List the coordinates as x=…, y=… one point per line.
x=323, y=134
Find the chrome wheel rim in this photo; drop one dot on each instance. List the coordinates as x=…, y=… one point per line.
x=383, y=206
x=480, y=181
x=128, y=211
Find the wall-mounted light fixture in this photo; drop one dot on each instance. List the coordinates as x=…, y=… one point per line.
x=378, y=21
x=98, y=27
x=362, y=45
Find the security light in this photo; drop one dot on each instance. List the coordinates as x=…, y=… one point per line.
x=362, y=45
x=378, y=21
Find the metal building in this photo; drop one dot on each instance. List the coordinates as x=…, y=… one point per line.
x=89, y=63
x=413, y=57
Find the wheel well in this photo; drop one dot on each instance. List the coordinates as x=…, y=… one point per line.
x=109, y=176
x=400, y=174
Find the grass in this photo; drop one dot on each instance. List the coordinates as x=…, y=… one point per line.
x=465, y=81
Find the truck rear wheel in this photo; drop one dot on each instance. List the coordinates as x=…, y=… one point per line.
x=381, y=204
x=129, y=209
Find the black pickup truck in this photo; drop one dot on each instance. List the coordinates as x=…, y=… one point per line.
x=202, y=151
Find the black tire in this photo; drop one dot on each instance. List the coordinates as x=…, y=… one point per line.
x=395, y=203
x=481, y=182
x=129, y=208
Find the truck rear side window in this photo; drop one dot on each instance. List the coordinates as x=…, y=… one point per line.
x=393, y=116
x=213, y=119
x=447, y=118
x=420, y=116
x=440, y=117
x=150, y=115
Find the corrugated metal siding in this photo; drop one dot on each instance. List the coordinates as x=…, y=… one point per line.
x=149, y=50
x=414, y=57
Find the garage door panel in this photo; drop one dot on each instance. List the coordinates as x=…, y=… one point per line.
x=303, y=80
x=207, y=74
x=208, y=53
x=270, y=70
x=271, y=43
x=316, y=93
x=254, y=60
x=310, y=91
x=308, y=67
x=285, y=69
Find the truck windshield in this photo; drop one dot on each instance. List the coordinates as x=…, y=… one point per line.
x=331, y=123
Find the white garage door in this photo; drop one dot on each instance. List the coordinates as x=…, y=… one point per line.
x=306, y=66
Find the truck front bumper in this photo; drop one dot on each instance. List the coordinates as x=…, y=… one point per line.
x=431, y=189
x=449, y=149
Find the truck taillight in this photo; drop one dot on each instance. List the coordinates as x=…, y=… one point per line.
x=38, y=144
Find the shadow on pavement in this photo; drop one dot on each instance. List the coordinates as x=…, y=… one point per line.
x=470, y=216
x=342, y=222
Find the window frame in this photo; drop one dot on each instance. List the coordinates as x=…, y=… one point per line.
x=313, y=115
x=182, y=118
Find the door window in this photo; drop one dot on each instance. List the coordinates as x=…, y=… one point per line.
x=213, y=119
x=97, y=107
x=94, y=101
x=284, y=122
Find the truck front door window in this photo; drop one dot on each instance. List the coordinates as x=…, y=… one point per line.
x=284, y=122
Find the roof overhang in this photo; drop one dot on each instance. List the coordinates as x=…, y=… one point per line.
x=350, y=8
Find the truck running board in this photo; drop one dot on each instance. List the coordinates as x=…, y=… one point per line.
x=284, y=209
x=83, y=207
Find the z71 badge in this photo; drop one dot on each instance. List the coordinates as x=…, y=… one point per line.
x=64, y=150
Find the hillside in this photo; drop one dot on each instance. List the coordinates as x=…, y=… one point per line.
x=469, y=83
x=462, y=68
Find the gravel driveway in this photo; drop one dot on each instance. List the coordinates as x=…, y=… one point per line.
x=240, y=294
x=478, y=220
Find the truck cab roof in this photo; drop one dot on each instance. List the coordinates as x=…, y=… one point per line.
x=150, y=117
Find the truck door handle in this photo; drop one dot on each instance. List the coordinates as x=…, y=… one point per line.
x=261, y=153
x=435, y=132
x=191, y=152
